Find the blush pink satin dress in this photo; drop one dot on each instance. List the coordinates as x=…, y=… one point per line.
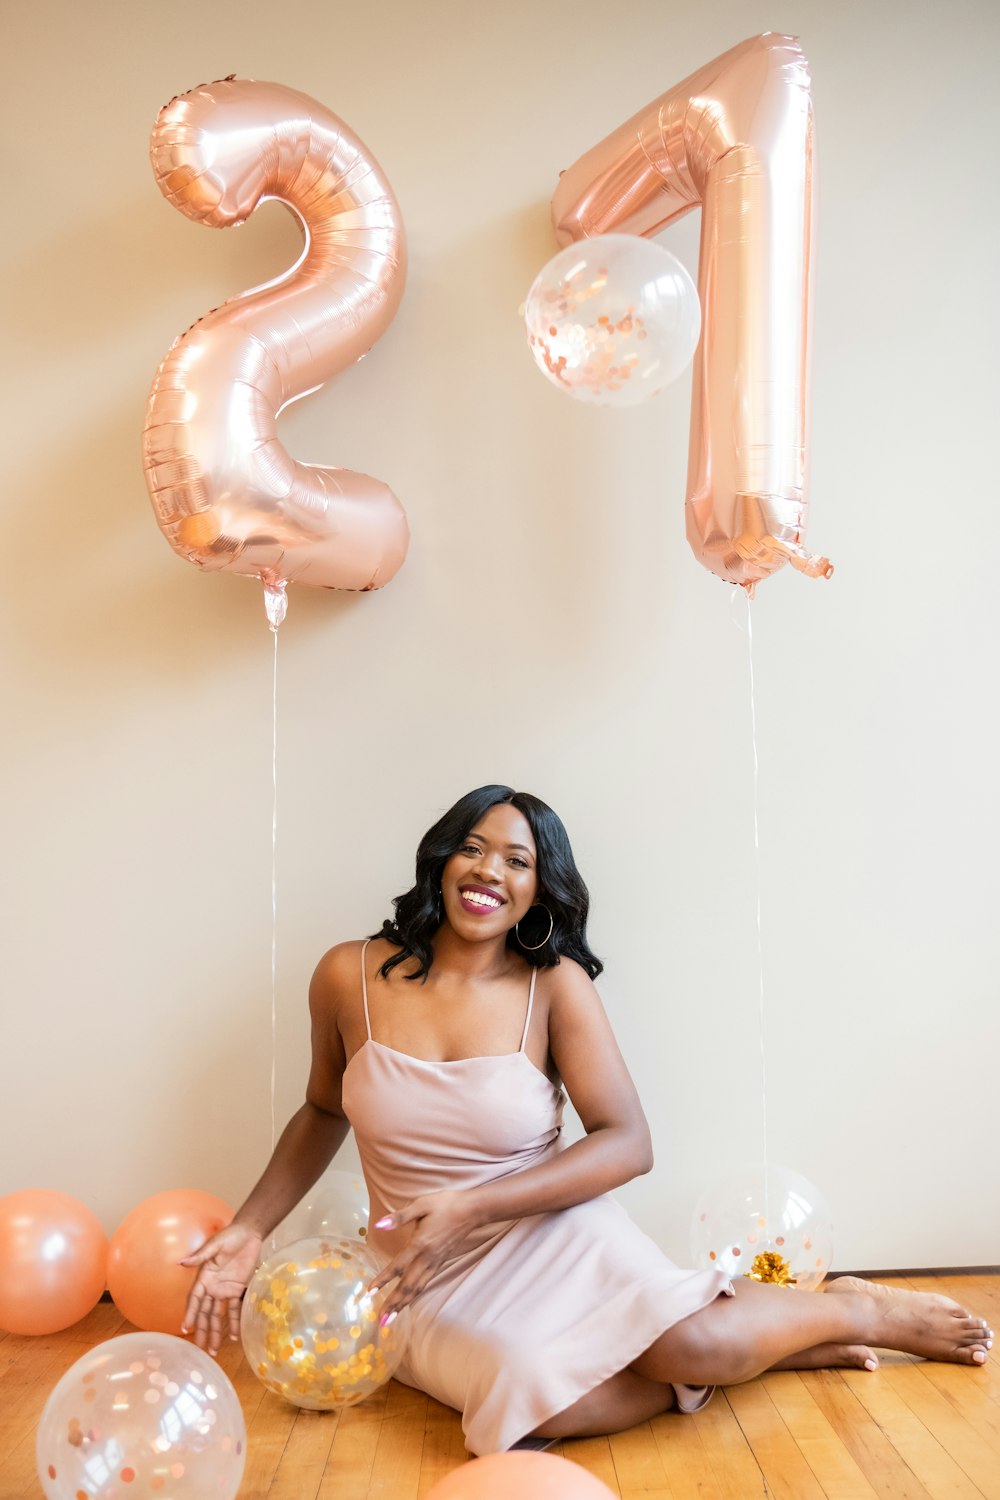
x=534, y=1312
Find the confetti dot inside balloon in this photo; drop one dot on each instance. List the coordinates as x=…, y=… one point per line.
x=310, y=1327
x=192, y=1438
x=613, y=319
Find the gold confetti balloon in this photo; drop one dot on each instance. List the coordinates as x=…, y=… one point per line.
x=143, y=1414
x=771, y=1226
x=613, y=319
x=311, y=1328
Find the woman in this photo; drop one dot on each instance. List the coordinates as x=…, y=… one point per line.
x=536, y=1307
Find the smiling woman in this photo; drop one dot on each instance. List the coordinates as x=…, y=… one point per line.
x=450, y=1041
x=495, y=850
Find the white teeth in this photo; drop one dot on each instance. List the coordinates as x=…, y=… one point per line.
x=480, y=899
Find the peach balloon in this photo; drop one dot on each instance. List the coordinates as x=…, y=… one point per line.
x=52, y=1254
x=145, y=1279
x=541, y=1476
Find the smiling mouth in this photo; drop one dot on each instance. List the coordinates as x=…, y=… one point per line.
x=474, y=898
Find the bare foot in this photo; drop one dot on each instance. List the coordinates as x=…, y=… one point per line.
x=831, y=1356
x=923, y=1323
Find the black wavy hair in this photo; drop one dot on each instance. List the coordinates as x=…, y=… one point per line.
x=561, y=887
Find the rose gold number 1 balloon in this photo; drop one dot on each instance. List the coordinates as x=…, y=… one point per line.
x=737, y=138
x=226, y=493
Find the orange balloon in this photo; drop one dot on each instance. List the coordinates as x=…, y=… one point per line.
x=52, y=1254
x=146, y=1282
x=501, y=1475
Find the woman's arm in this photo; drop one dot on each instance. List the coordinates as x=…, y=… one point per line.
x=617, y=1145
x=315, y=1133
x=308, y=1143
x=615, y=1149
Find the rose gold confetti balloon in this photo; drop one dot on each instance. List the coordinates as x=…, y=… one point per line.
x=613, y=319
x=310, y=1326
x=736, y=140
x=144, y=1414
x=227, y=494
x=768, y=1226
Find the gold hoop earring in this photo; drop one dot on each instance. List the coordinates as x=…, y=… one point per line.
x=534, y=947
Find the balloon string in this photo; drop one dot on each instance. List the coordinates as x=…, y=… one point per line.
x=760, y=942
x=274, y=885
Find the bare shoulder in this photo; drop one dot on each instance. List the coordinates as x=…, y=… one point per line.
x=337, y=977
x=570, y=991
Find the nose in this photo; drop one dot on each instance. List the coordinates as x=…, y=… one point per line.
x=487, y=867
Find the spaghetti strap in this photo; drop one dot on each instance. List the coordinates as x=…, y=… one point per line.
x=527, y=1019
x=364, y=989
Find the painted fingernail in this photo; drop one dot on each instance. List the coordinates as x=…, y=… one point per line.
x=386, y=1319
x=385, y=1222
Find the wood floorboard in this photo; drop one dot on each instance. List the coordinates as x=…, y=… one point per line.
x=884, y=1467
x=910, y=1431
x=832, y=1463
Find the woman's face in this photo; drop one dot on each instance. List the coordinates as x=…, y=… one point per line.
x=492, y=880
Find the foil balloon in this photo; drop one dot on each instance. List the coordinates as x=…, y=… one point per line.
x=227, y=494
x=310, y=1326
x=767, y=1225
x=736, y=139
x=53, y=1253
x=143, y=1414
x=613, y=320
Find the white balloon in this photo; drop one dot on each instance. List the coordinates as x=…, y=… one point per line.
x=613, y=319
x=336, y=1207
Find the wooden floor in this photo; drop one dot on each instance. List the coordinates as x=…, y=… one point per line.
x=910, y=1431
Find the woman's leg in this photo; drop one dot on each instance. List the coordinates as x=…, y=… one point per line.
x=767, y=1327
x=763, y=1326
x=621, y=1402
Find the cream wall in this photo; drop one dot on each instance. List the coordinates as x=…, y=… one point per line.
x=550, y=629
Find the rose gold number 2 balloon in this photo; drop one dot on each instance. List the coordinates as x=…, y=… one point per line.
x=226, y=493
x=737, y=138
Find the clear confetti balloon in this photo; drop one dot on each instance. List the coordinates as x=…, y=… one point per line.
x=311, y=1328
x=769, y=1226
x=335, y=1208
x=144, y=1414
x=613, y=319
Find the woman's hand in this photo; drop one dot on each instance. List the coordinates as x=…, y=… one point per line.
x=442, y=1220
x=228, y=1261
